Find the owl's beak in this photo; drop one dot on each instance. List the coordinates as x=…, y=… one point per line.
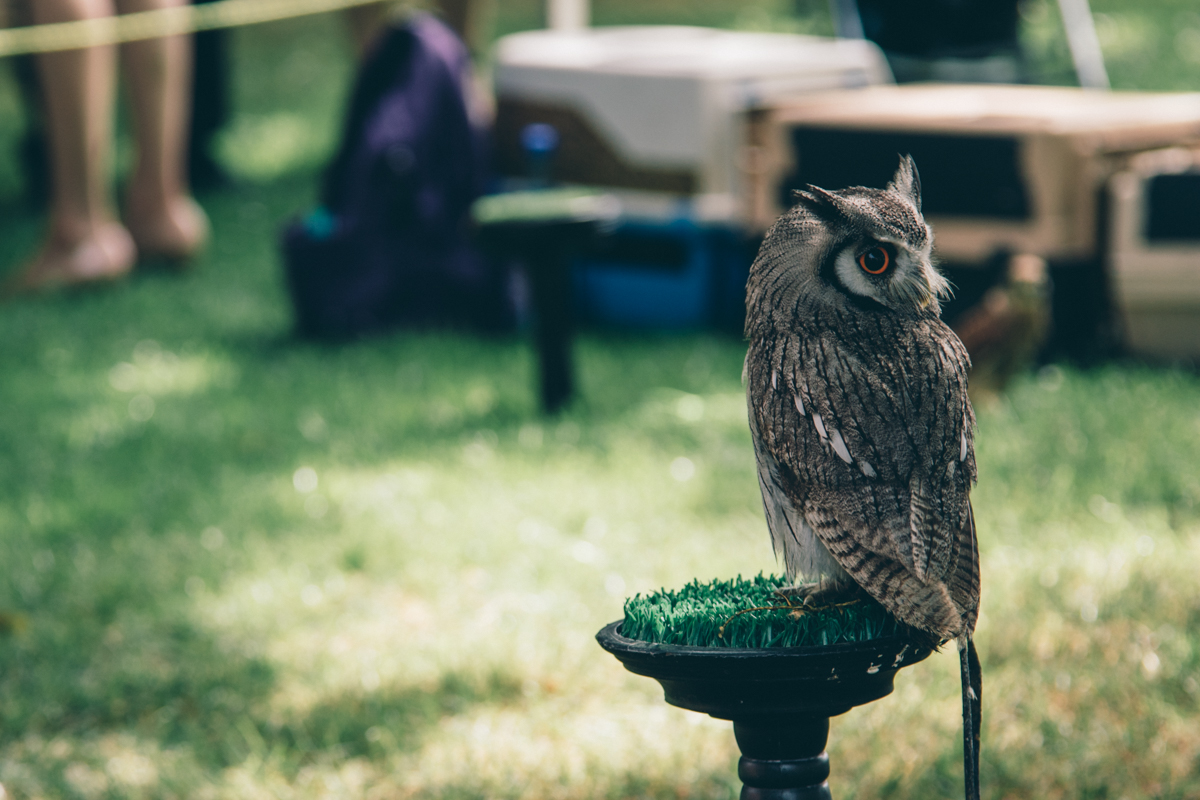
x=920, y=288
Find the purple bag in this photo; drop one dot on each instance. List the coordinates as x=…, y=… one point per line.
x=390, y=243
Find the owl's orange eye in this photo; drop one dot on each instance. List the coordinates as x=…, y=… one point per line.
x=875, y=261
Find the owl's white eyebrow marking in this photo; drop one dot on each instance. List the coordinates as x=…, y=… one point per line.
x=774, y=379
x=962, y=451
x=799, y=404
x=819, y=424
x=867, y=469
x=839, y=445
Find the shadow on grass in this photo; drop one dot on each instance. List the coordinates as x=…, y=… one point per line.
x=163, y=678
x=373, y=724
x=173, y=684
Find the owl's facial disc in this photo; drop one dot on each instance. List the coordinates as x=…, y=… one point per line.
x=891, y=274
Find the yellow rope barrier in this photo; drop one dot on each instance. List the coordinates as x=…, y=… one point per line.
x=161, y=22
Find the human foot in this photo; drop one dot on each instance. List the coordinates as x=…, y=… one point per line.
x=173, y=231
x=107, y=254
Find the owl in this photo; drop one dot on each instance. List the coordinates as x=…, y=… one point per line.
x=858, y=408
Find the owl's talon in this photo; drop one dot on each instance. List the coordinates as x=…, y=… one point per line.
x=820, y=595
x=797, y=595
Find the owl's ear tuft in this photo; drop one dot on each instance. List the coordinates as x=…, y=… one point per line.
x=907, y=181
x=819, y=201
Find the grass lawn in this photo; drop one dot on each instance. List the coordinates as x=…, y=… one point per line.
x=237, y=566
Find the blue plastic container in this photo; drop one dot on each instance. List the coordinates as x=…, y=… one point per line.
x=675, y=275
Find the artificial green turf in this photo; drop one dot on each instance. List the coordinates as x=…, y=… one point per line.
x=749, y=613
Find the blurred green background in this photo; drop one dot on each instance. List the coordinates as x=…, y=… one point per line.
x=237, y=566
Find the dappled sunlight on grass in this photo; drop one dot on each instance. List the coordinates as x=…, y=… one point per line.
x=587, y=746
x=467, y=560
x=264, y=147
x=1087, y=663
x=1066, y=447
x=426, y=628
x=155, y=372
x=138, y=387
x=115, y=764
x=1094, y=666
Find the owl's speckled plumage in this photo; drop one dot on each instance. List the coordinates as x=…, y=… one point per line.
x=858, y=404
x=858, y=407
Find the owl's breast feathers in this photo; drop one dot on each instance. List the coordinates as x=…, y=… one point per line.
x=868, y=425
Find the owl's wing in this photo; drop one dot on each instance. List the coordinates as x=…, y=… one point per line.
x=874, y=449
x=791, y=536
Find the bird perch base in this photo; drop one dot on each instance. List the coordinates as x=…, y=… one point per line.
x=779, y=699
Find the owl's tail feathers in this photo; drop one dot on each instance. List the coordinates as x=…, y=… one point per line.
x=972, y=697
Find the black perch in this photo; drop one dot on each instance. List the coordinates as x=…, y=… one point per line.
x=779, y=699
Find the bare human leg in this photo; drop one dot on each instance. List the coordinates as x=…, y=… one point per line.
x=159, y=210
x=85, y=242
